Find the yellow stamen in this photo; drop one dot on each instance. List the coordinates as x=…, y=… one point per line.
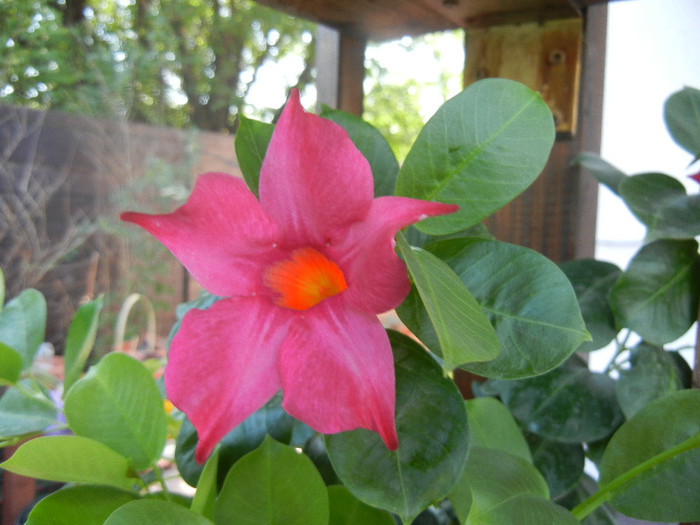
x=304, y=280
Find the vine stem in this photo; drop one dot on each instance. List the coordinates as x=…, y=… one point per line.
x=159, y=476
x=609, y=490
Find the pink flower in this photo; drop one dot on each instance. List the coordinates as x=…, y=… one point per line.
x=304, y=272
x=695, y=177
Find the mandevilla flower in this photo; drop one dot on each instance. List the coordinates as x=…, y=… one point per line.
x=304, y=272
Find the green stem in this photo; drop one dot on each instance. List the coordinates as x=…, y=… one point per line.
x=161, y=480
x=608, y=491
x=34, y=395
x=621, y=347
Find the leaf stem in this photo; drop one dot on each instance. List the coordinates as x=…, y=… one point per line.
x=608, y=491
x=159, y=476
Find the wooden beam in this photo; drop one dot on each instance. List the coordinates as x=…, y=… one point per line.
x=340, y=69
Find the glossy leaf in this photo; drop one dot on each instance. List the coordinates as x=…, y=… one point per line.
x=23, y=324
x=682, y=116
x=83, y=504
x=20, y=415
x=491, y=425
x=433, y=440
x=651, y=467
x=118, y=403
x=273, y=485
x=480, y=150
x=252, y=138
x=346, y=509
x=602, y=170
x=561, y=464
x=661, y=203
x=271, y=420
x=657, y=296
x=155, y=512
x=10, y=365
x=653, y=374
x=463, y=331
x=527, y=297
x=593, y=281
x=80, y=340
x=569, y=404
x=373, y=147
x=71, y=459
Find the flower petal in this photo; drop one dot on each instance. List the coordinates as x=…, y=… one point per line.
x=377, y=279
x=221, y=365
x=313, y=179
x=337, y=371
x=221, y=235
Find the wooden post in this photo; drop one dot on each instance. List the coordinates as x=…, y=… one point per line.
x=17, y=491
x=557, y=214
x=340, y=69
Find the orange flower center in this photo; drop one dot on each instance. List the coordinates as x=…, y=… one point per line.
x=304, y=280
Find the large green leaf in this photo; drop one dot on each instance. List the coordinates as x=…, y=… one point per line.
x=657, y=296
x=23, y=324
x=463, y=331
x=661, y=203
x=432, y=427
x=593, y=281
x=273, y=485
x=71, y=459
x=480, y=150
x=527, y=297
x=118, y=403
x=491, y=425
x=20, y=415
x=346, y=509
x=569, y=404
x=372, y=145
x=10, y=365
x=682, y=116
x=155, y=512
x=81, y=504
x=653, y=374
x=498, y=487
x=80, y=340
x=252, y=138
x=603, y=171
x=651, y=467
x=207, y=487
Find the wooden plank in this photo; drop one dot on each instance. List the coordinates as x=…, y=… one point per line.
x=340, y=69
x=390, y=19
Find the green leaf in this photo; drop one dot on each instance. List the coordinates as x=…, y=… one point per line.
x=527, y=297
x=603, y=515
x=273, y=485
x=603, y=171
x=651, y=467
x=23, y=323
x=118, y=403
x=561, y=464
x=657, y=296
x=593, y=281
x=10, y=365
x=204, y=498
x=480, y=150
x=20, y=415
x=71, y=459
x=432, y=427
x=83, y=504
x=498, y=487
x=155, y=512
x=682, y=116
x=372, y=145
x=463, y=330
x=661, y=203
x=569, y=404
x=345, y=509
x=653, y=374
x=252, y=138
x=80, y=340
x=491, y=425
